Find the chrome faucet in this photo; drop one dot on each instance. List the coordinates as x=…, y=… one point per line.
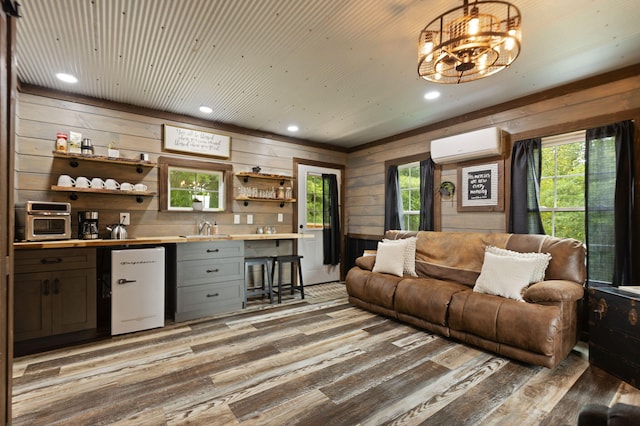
x=204, y=227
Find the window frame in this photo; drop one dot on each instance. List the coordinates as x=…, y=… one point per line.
x=407, y=213
x=166, y=163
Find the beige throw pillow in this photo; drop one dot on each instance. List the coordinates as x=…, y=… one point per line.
x=541, y=266
x=409, y=266
x=505, y=276
x=390, y=258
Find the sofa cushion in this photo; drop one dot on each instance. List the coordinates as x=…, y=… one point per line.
x=390, y=258
x=426, y=298
x=506, y=276
x=541, y=258
x=455, y=256
x=528, y=326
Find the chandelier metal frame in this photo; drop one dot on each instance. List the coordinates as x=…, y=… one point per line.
x=470, y=42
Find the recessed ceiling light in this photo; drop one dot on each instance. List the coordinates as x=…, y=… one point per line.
x=293, y=128
x=67, y=78
x=432, y=95
x=206, y=109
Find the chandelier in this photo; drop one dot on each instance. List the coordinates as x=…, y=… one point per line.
x=469, y=42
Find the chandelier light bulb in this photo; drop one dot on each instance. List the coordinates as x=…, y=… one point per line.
x=509, y=43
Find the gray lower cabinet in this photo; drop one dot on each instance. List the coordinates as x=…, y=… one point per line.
x=54, y=292
x=210, y=278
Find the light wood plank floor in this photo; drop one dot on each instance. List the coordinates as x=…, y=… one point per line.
x=318, y=361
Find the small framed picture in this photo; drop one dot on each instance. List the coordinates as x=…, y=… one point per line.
x=481, y=186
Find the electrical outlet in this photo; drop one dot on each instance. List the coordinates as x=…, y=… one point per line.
x=249, y=219
x=280, y=217
x=125, y=219
x=236, y=219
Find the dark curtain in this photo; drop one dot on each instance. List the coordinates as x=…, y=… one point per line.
x=609, y=205
x=427, y=168
x=524, y=213
x=392, y=201
x=330, y=219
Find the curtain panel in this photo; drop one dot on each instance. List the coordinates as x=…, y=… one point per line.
x=524, y=213
x=331, y=220
x=610, y=205
x=427, y=182
x=393, y=213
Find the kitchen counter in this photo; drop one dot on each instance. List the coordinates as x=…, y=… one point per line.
x=155, y=240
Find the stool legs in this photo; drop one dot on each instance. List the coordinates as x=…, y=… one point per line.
x=294, y=260
x=267, y=280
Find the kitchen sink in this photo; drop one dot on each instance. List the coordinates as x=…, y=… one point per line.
x=205, y=237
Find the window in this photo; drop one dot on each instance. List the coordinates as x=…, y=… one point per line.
x=189, y=185
x=181, y=181
x=314, y=201
x=409, y=177
x=562, y=185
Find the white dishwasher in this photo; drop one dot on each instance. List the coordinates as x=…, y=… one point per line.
x=137, y=289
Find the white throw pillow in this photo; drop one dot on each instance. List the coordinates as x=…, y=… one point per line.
x=505, y=276
x=409, y=265
x=390, y=258
x=542, y=258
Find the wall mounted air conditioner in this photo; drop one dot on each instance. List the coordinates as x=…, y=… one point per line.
x=467, y=146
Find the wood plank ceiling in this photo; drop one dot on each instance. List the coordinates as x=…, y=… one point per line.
x=343, y=71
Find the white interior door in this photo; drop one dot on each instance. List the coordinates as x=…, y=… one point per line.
x=310, y=222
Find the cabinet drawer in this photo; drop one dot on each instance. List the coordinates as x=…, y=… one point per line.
x=210, y=250
x=54, y=259
x=204, y=300
x=195, y=272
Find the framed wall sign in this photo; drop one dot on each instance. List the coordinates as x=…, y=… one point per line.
x=481, y=186
x=196, y=142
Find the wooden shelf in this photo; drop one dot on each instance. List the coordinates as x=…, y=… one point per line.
x=74, y=158
x=247, y=175
x=268, y=200
x=73, y=190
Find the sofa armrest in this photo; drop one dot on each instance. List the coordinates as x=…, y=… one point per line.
x=553, y=291
x=366, y=262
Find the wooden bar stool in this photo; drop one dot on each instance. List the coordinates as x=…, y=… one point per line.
x=265, y=266
x=294, y=260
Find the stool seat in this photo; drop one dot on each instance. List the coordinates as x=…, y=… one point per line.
x=294, y=260
x=265, y=266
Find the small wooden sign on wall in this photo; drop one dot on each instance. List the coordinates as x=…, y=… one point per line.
x=196, y=142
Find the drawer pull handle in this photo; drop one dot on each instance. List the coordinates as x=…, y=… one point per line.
x=213, y=250
x=213, y=270
x=51, y=260
x=213, y=295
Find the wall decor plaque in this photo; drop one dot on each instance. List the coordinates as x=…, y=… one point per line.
x=196, y=142
x=481, y=186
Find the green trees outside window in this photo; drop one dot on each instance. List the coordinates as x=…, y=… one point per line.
x=409, y=178
x=189, y=185
x=562, y=187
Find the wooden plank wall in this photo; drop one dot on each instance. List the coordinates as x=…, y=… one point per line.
x=601, y=104
x=40, y=118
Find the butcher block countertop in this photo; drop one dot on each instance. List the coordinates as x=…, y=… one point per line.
x=156, y=240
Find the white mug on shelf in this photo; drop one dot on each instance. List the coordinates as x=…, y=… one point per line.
x=82, y=182
x=97, y=183
x=140, y=187
x=126, y=186
x=111, y=184
x=66, y=180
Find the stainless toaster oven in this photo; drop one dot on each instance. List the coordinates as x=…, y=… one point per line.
x=43, y=221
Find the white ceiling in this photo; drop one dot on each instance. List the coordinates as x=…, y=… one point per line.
x=344, y=71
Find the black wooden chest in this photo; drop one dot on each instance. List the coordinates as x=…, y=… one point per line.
x=614, y=332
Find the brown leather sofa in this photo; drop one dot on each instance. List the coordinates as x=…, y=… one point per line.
x=542, y=330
